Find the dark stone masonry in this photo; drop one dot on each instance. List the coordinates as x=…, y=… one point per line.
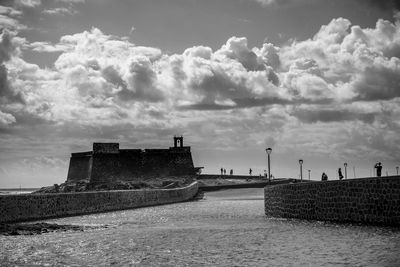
x=366, y=200
x=28, y=207
x=108, y=163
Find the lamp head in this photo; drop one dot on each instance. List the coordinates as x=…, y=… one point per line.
x=300, y=161
x=269, y=150
x=345, y=164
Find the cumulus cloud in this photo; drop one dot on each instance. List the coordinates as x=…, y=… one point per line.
x=104, y=85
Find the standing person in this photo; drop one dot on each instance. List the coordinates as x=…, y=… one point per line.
x=250, y=171
x=378, y=167
x=231, y=172
x=340, y=174
x=324, y=177
x=222, y=171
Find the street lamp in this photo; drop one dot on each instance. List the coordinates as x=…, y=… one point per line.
x=269, y=150
x=309, y=171
x=301, y=169
x=345, y=170
x=397, y=170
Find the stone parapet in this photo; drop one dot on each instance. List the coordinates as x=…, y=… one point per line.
x=28, y=207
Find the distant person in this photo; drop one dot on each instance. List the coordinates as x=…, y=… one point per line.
x=222, y=171
x=378, y=167
x=324, y=177
x=250, y=171
x=340, y=174
x=231, y=172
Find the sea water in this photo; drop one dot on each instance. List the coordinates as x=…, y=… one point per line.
x=226, y=228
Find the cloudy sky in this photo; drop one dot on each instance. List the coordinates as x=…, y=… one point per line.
x=317, y=80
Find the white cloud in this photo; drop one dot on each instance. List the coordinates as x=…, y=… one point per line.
x=60, y=11
x=48, y=47
x=6, y=10
x=28, y=3
x=333, y=88
x=6, y=119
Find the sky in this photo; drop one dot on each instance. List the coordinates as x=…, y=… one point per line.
x=317, y=80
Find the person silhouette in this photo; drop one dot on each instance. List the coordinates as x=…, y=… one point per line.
x=340, y=174
x=222, y=171
x=378, y=167
x=324, y=177
x=231, y=172
x=250, y=171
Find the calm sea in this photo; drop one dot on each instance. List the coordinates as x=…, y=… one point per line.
x=227, y=228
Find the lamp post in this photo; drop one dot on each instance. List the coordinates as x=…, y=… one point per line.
x=397, y=170
x=301, y=169
x=345, y=170
x=309, y=171
x=269, y=150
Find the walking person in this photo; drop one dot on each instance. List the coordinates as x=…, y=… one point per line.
x=222, y=171
x=250, y=171
x=340, y=174
x=231, y=172
x=378, y=167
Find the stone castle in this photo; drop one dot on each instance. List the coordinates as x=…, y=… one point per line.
x=108, y=163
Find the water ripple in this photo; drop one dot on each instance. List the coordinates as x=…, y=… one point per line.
x=228, y=228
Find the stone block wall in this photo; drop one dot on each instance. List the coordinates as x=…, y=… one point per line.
x=107, y=148
x=16, y=208
x=367, y=200
x=105, y=168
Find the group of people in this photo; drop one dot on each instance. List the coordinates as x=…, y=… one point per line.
x=378, y=167
x=223, y=172
x=324, y=176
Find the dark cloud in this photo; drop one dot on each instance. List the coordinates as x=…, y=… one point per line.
x=313, y=116
x=378, y=83
x=7, y=95
x=6, y=46
x=112, y=76
x=206, y=106
x=254, y=102
x=141, y=82
x=238, y=104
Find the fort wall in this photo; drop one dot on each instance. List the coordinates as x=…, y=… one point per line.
x=28, y=207
x=367, y=200
x=79, y=167
x=107, y=163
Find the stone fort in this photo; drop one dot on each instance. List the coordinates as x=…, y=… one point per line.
x=108, y=163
